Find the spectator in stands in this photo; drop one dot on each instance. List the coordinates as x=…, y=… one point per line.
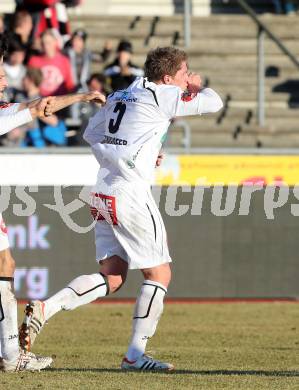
x=291, y=6
x=40, y=133
x=81, y=61
x=2, y=26
x=47, y=14
x=81, y=58
x=278, y=6
x=97, y=82
x=14, y=67
x=287, y=6
x=122, y=72
x=22, y=27
x=56, y=67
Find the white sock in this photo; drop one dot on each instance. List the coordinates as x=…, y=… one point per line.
x=82, y=290
x=148, y=310
x=9, y=334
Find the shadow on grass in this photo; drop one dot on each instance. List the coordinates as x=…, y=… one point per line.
x=186, y=372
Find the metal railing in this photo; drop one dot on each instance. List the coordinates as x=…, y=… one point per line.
x=169, y=150
x=187, y=22
x=186, y=139
x=262, y=31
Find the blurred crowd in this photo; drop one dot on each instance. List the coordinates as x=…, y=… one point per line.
x=46, y=58
x=288, y=7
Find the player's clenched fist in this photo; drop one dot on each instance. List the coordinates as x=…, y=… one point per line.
x=194, y=83
x=50, y=107
x=38, y=107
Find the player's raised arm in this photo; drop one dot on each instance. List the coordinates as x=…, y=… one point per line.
x=15, y=115
x=57, y=103
x=197, y=100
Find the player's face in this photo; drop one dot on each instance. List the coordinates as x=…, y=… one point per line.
x=180, y=79
x=3, y=82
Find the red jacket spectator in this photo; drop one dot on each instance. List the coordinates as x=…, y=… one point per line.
x=47, y=14
x=56, y=68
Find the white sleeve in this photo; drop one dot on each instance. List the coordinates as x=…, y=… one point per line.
x=184, y=104
x=9, y=121
x=9, y=108
x=95, y=129
x=207, y=100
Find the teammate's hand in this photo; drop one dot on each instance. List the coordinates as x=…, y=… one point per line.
x=159, y=158
x=94, y=97
x=194, y=83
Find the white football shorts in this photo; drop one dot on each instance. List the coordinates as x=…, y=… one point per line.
x=130, y=226
x=4, y=244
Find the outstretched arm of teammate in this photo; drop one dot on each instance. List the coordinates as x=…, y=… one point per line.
x=15, y=115
x=57, y=103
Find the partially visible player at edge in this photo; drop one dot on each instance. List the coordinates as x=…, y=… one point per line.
x=13, y=115
x=126, y=137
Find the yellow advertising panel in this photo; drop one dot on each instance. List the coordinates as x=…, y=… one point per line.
x=228, y=169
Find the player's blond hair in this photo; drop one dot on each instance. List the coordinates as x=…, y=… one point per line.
x=163, y=61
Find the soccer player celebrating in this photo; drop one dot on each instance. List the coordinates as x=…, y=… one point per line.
x=13, y=115
x=126, y=137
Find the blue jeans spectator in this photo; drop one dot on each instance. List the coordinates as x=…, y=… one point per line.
x=278, y=6
x=290, y=7
x=43, y=135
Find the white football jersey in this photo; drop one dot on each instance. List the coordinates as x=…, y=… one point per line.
x=126, y=135
x=8, y=108
x=11, y=117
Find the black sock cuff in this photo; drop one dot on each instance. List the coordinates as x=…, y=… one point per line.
x=6, y=279
x=155, y=285
x=107, y=284
x=1, y=310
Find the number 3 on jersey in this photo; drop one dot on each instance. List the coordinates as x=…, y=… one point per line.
x=114, y=124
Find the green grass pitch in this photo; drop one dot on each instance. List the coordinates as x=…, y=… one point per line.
x=213, y=346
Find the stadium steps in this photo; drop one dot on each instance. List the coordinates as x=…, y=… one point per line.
x=252, y=136
x=277, y=112
x=223, y=139
x=279, y=141
x=145, y=7
x=166, y=7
